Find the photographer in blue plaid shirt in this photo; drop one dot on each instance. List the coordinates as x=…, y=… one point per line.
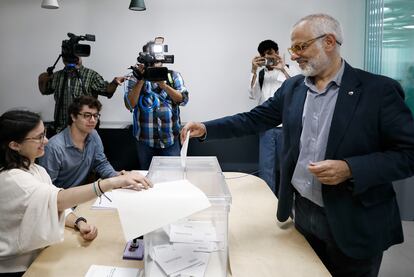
x=156, y=107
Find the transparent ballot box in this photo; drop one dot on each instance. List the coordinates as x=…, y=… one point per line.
x=196, y=245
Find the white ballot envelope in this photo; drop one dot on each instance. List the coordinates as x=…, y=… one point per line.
x=184, y=148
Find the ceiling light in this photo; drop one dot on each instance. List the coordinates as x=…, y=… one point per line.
x=50, y=4
x=137, y=5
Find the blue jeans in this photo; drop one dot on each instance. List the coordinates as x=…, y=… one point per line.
x=269, y=151
x=145, y=153
x=311, y=222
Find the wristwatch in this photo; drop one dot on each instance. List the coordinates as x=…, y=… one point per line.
x=79, y=219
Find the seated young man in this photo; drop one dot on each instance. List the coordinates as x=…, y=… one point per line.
x=73, y=153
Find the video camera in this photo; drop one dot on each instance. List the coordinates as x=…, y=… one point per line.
x=154, y=52
x=72, y=50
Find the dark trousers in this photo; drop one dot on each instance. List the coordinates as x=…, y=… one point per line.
x=145, y=153
x=311, y=222
x=269, y=157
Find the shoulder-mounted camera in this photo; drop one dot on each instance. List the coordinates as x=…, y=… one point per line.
x=72, y=49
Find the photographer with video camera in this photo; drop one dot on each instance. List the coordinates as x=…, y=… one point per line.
x=74, y=79
x=154, y=95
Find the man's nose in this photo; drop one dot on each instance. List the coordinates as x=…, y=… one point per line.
x=294, y=56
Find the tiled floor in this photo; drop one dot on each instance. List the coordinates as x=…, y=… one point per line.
x=398, y=261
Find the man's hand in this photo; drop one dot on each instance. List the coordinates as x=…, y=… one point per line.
x=257, y=62
x=330, y=172
x=162, y=84
x=87, y=231
x=118, y=80
x=138, y=71
x=278, y=62
x=196, y=129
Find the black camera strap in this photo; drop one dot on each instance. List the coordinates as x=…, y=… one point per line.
x=261, y=78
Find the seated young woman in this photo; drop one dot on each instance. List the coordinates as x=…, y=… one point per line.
x=32, y=209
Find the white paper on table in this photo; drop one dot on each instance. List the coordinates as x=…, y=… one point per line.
x=183, y=153
x=112, y=271
x=144, y=211
x=102, y=203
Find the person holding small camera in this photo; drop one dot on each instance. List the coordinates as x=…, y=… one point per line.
x=71, y=82
x=155, y=105
x=268, y=73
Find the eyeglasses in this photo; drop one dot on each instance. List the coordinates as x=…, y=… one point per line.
x=88, y=116
x=39, y=139
x=302, y=46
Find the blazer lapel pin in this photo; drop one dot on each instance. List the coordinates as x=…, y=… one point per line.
x=350, y=93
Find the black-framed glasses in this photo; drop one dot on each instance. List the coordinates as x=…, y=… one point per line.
x=88, y=116
x=39, y=139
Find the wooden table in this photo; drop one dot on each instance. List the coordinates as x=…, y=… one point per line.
x=258, y=244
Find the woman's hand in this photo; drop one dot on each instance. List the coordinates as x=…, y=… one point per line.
x=87, y=231
x=128, y=180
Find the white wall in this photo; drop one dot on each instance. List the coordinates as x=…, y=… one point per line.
x=213, y=43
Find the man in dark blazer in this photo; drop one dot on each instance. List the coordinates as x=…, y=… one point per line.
x=347, y=135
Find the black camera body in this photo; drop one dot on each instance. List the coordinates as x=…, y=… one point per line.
x=154, y=52
x=72, y=49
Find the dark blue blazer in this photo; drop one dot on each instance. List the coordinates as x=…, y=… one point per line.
x=372, y=130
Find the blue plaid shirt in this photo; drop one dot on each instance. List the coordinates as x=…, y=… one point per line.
x=156, y=118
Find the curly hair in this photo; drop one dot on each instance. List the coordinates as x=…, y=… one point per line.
x=81, y=101
x=14, y=126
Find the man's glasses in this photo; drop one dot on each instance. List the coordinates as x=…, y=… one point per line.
x=302, y=46
x=39, y=139
x=88, y=116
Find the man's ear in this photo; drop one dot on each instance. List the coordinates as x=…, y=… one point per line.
x=330, y=42
x=73, y=117
x=14, y=146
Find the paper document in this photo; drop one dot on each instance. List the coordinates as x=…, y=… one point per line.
x=184, y=149
x=144, y=211
x=112, y=271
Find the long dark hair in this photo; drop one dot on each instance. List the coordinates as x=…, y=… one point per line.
x=14, y=126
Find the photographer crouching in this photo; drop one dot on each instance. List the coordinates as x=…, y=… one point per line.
x=74, y=79
x=154, y=95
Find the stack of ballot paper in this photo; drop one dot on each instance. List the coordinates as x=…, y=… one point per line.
x=188, y=252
